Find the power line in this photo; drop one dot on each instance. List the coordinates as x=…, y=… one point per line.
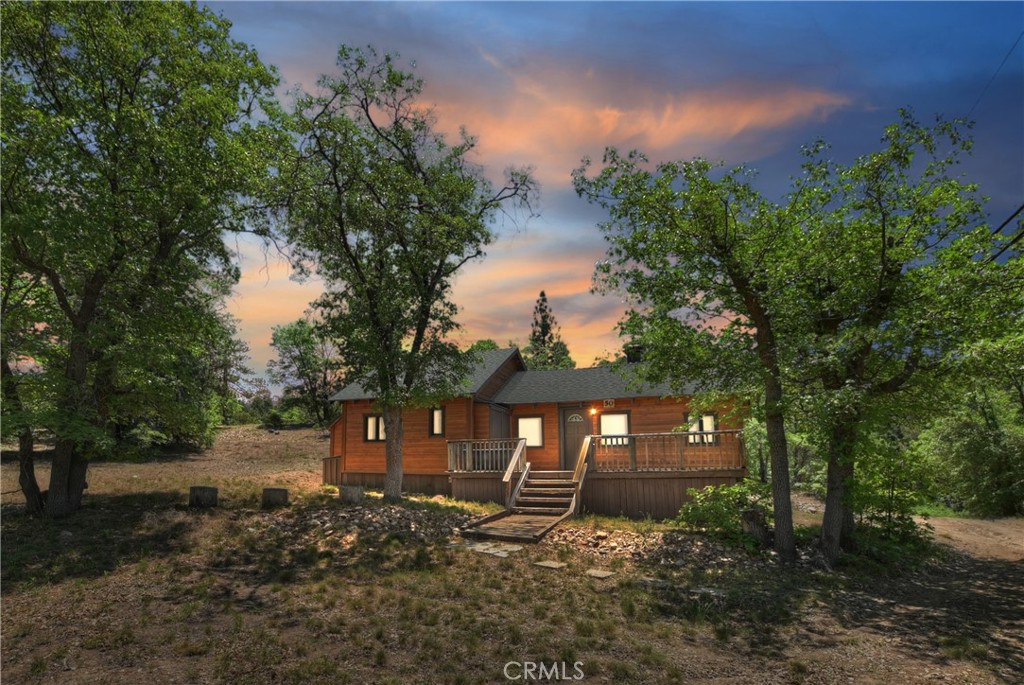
x=1008, y=220
x=996, y=73
x=1013, y=241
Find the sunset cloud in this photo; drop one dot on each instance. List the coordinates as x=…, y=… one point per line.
x=546, y=84
x=551, y=119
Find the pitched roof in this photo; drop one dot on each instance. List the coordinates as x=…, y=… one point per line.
x=489, y=363
x=576, y=385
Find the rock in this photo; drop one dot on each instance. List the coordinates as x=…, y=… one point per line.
x=65, y=535
x=599, y=573
x=550, y=564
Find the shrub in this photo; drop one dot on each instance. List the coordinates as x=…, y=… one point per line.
x=716, y=509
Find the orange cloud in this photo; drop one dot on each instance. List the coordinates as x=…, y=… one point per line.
x=553, y=118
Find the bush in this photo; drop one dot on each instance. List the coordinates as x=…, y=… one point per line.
x=976, y=454
x=716, y=510
x=274, y=419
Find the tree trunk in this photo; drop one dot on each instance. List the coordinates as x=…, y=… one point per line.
x=837, y=524
x=26, y=444
x=27, y=472
x=67, y=475
x=785, y=541
x=393, y=449
x=67, y=480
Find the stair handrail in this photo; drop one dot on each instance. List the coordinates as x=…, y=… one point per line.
x=516, y=463
x=579, y=473
x=581, y=459
x=514, y=494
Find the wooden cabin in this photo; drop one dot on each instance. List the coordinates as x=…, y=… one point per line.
x=641, y=448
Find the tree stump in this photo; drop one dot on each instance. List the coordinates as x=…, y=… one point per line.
x=202, y=497
x=351, y=494
x=754, y=524
x=275, y=497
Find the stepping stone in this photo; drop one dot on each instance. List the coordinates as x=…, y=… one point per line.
x=498, y=549
x=550, y=564
x=599, y=573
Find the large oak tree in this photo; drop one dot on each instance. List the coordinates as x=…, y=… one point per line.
x=386, y=210
x=130, y=146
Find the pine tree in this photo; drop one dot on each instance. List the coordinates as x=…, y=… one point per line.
x=546, y=349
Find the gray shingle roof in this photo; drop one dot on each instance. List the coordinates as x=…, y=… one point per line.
x=489, y=363
x=575, y=385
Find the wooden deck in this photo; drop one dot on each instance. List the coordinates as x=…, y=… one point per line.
x=514, y=527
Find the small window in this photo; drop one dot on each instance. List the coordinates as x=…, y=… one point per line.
x=531, y=428
x=373, y=428
x=614, y=424
x=436, y=422
x=705, y=423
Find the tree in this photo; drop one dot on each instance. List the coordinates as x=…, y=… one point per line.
x=131, y=143
x=387, y=211
x=484, y=345
x=698, y=258
x=308, y=365
x=897, y=287
x=546, y=349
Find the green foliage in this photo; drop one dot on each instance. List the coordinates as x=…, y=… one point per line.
x=387, y=211
x=716, y=510
x=890, y=483
x=546, y=350
x=976, y=454
x=484, y=345
x=134, y=136
x=308, y=366
x=274, y=419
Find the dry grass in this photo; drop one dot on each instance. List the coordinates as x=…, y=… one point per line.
x=138, y=588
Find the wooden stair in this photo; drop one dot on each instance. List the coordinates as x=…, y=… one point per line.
x=539, y=502
x=545, y=492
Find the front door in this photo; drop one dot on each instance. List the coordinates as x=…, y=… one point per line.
x=575, y=427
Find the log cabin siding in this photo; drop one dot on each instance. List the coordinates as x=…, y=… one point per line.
x=421, y=453
x=543, y=458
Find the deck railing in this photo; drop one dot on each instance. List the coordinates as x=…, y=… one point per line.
x=686, y=451
x=481, y=455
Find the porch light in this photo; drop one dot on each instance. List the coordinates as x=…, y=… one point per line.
x=593, y=411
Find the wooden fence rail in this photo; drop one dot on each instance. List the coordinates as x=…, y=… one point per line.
x=690, y=451
x=481, y=455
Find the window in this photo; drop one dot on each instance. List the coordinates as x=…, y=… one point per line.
x=436, y=422
x=705, y=423
x=615, y=424
x=373, y=428
x=531, y=428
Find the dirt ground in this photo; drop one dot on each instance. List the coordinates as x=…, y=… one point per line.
x=982, y=538
x=1000, y=538
x=138, y=588
x=241, y=455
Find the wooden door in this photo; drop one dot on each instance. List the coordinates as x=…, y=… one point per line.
x=574, y=427
x=500, y=422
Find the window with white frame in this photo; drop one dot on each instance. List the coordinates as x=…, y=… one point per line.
x=704, y=425
x=614, y=424
x=437, y=422
x=373, y=428
x=531, y=428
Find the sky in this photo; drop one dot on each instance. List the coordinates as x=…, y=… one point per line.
x=547, y=84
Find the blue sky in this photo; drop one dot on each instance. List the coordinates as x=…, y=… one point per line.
x=544, y=84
